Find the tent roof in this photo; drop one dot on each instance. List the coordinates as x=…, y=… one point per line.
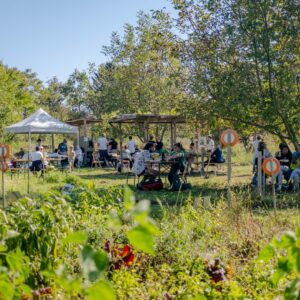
x=149, y=118
x=41, y=122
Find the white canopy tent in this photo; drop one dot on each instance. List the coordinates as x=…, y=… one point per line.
x=41, y=122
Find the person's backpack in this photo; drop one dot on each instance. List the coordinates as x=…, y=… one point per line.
x=150, y=185
x=178, y=185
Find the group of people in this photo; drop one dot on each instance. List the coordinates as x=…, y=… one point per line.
x=38, y=159
x=289, y=164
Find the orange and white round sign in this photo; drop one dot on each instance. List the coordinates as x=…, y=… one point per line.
x=271, y=166
x=4, y=151
x=229, y=136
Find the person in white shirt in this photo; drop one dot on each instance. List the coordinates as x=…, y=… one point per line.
x=255, y=148
x=210, y=144
x=102, y=144
x=141, y=163
x=131, y=145
x=37, y=159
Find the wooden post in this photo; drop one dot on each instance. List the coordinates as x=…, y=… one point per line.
x=146, y=137
x=3, y=188
x=171, y=136
x=121, y=145
x=228, y=168
x=174, y=133
x=259, y=174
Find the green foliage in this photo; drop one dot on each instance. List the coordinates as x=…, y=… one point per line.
x=286, y=252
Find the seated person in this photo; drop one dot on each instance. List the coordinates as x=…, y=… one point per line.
x=112, y=146
x=179, y=157
x=37, y=159
x=54, y=155
x=285, y=157
x=20, y=154
x=217, y=157
x=141, y=165
x=294, y=178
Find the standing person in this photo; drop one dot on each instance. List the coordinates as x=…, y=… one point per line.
x=63, y=150
x=37, y=158
x=131, y=145
x=71, y=158
x=255, y=144
x=38, y=142
x=265, y=153
x=211, y=144
x=102, y=144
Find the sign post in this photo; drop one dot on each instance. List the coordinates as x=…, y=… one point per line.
x=271, y=167
x=4, y=153
x=229, y=138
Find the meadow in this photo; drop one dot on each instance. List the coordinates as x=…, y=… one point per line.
x=103, y=242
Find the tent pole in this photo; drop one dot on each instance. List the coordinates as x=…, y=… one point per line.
x=29, y=150
x=52, y=141
x=78, y=138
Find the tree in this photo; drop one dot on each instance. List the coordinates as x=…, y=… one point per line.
x=18, y=93
x=244, y=61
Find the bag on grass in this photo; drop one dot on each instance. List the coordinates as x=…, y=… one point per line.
x=150, y=185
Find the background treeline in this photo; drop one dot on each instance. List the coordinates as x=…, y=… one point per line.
x=220, y=63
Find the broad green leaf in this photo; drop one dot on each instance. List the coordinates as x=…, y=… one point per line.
x=278, y=274
x=77, y=237
x=101, y=290
x=266, y=254
x=287, y=240
x=129, y=199
x=101, y=260
x=15, y=260
x=6, y=290
x=93, y=263
x=141, y=239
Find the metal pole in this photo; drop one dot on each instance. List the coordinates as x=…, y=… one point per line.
x=29, y=150
x=52, y=141
x=273, y=187
x=121, y=145
x=3, y=189
x=259, y=174
x=228, y=168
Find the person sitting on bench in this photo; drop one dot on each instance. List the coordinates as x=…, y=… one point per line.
x=179, y=157
x=217, y=157
x=141, y=165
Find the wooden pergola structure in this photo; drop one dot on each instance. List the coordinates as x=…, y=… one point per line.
x=84, y=122
x=144, y=120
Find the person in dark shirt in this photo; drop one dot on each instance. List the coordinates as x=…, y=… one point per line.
x=285, y=157
x=216, y=157
x=113, y=144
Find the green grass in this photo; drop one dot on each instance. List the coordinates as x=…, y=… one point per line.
x=215, y=186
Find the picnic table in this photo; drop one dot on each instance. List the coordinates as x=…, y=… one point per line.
x=163, y=166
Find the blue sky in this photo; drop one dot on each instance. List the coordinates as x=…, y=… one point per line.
x=53, y=37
